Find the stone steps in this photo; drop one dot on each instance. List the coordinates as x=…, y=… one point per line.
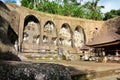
x=38, y=56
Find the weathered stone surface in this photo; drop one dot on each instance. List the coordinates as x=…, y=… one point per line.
x=7, y=35
x=25, y=16
x=4, y=11
x=79, y=32
x=33, y=71
x=4, y=40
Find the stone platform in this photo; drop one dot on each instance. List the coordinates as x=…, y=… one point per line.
x=86, y=70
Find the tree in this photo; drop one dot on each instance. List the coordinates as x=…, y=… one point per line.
x=93, y=11
x=79, y=12
x=49, y=7
x=27, y=3
x=89, y=10
x=113, y=13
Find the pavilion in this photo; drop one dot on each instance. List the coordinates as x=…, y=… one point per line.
x=108, y=39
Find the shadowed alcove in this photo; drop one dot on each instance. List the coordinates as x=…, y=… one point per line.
x=65, y=35
x=79, y=37
x=31, y=32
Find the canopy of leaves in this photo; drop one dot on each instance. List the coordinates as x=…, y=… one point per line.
x=112, y=14
x=89, y=10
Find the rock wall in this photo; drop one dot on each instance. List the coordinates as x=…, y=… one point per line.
x=33, y=71
x=7, y=35
x=90, y=27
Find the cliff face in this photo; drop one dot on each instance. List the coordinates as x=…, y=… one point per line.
x=109, y=32
x=7, y=34
x=4, y=24
x=33, y=71
x=89, y=26
x=4, y=42
x=16, y=21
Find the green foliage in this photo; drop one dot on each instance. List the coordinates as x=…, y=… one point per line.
x=93, y=11
x=90, y=10
x=67, y=10
x=112, y=14
x=25, y=3
x=50, y=7
x=79, y=12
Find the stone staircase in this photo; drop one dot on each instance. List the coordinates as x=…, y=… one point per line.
x=38, y=56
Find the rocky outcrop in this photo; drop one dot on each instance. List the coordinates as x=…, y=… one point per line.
x=7, y=51
x=110, y=32
x=7, y=35
x=33, y=71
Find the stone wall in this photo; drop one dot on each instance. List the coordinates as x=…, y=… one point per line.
x=20, y=17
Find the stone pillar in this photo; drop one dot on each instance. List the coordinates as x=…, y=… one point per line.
x=72, y=41
x=41, y=32
x=21, y=27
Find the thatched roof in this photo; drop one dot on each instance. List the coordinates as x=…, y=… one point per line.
x=84, y=48
x=109, y=33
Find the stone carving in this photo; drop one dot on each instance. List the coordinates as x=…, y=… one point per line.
x=65, y=36
x=78, y=39
x=31, y=33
